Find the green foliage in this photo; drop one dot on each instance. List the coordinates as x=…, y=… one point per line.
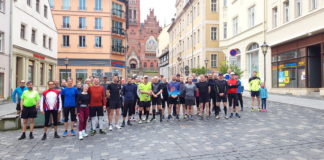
x=225, y=66
x=199, y=71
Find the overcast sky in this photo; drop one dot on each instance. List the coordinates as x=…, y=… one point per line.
x=163, y=9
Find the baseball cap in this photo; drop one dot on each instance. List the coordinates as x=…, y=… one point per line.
x=22, y=81
x=145, y=76
x=232, y=73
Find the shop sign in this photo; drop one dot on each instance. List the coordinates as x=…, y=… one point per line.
x=291, y=65
x=302, y=63
x=38, y=56
x=117, y=64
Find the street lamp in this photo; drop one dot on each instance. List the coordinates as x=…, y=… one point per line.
x=264, y=49
x=66, y=62
x=206, y=63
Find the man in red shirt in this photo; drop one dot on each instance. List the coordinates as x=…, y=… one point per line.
x=232, y=95
x=97, y=106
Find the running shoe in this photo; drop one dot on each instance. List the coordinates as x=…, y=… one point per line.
x=56, y=135
x=84, y=134
x=129, y=123
x=237, y=115
x=110, y=127
x=117, y=126
x=65, y=133
x=217, y=117
x=93, y=132
x=191, y=117
x=208, y=117
x=80, y=136
x=259, y=109
x=265, y=110
x=252, y=109
x=226, y=117
x=153, y=119
x=148, y=120
x=231, y=116
x=123, y=124
x=177, y=117
x=169, y=117
x=140, y=122
x=102, y=131
x=23, y=136
x=31, y=136
x=72, y=133
x=242, y=109
x=44, y=137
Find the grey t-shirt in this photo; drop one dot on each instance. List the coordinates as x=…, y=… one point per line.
x=190, y=90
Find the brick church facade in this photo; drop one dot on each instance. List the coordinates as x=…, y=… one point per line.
x=142, y=42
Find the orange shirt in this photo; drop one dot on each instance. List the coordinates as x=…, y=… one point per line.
x=97, y=96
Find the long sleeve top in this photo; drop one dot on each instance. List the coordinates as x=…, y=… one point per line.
x=51, y=100
x=97, y=96
x=18, y=91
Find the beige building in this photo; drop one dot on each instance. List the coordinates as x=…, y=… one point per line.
x=34, y=43
x=91, y=35
x=194, y=38
x=163, y=52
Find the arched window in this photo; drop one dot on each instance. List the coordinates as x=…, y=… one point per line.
x=145, y=65
x=252, y=54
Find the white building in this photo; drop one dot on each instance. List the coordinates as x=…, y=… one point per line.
x=34, y=43
x=4, y=48
x=163, y=52
x=242, y=29
x=295, y=32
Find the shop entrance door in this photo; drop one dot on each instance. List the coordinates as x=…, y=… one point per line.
x=314, y=66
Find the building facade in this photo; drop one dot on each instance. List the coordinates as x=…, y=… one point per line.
x=142, y=41
x=4, y=48
x=296, y=65
x=163, y=52
x=243, y=30
x=34, y=43
x=91, y=35
x=194, y=36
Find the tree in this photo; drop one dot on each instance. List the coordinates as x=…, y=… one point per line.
x=199, y=71
x=225, y=66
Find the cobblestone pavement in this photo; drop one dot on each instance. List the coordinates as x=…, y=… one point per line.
x=286, y=132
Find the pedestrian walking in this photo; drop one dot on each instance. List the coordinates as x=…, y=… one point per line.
x=83, y=111
x=51, y=106
x=255, y=85
x=114, y=91
x=264, y=97
x=16, y=95
x=69, y=96
x=29, y=106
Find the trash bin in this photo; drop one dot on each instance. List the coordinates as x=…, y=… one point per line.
x=40, y=120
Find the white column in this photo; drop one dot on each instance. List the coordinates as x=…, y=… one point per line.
x=13, y=72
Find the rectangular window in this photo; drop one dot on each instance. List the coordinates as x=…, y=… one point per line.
x=29, y=3
x=82, y=22
x=44, y=41
x=82, y=5
x=66, y=41
x=51, y=3
x=37, y=6
x=286, y=11
x=225, y=30
x=252, y=16
x=22, y=31
x=98, y=23
x=117, y=10
x=117, y=45
x=1, y=42
x=214, y=60
x=214, y=5
x=31, y=71
x=66, y=22
x=33, y=36
x=50, y=43
x=45, y=11
x=81, y=74
x=82, y=41
x=50, y=73
x=41, y=77
x=198, y=36
x=135, y=14
x=98, y=42
x=65, y=74
x=66, y=4
x=313, y=4
x=2, y=5
x=98, y=5
x=214, y=33
x=235, y=26
x=117, y=27
x=298, y=9
x=274, y=17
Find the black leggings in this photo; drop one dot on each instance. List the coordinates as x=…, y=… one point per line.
x=48, y=116
x=240, y=99
x=232, y=98
x=213, y=98
x=128, y=107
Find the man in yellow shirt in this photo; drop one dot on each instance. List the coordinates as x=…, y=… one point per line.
x=145, y=90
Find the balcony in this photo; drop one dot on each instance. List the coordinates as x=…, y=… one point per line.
x=118, y=31
x=118, y=15
x=118, y=50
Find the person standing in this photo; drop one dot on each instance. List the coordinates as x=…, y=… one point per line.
x=212, y=84
x=174, y=92
x=204, y=96
x=165, y=95
x=113, y=92
x=264, y=96
x=240, y=90
x=97, y=105
x=189, y=93
x=182, y=98
x=69, y=96
x=157, y=90
x=29, y=105
x=145, y=90
x=83, y=111
x=255, y=83
x=51, y=104
x=129, y=92
x=221, y=90
x=19, y=91
x=232, y=96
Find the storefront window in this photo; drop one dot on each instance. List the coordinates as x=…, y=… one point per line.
x=65, y=74
x=81, y=74
x=253, y=58
x=97, y=73
x=301, y=69
x=274, y=74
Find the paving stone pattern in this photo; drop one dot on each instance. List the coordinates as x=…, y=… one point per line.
x=286, y=132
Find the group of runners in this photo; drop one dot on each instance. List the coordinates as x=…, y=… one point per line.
x=156, y=97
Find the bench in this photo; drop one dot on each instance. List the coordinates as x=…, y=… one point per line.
x=10, y=122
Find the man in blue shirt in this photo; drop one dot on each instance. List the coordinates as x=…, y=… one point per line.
x=69, y=94
x=174, y=92
x=19, y=91
x=129, y=92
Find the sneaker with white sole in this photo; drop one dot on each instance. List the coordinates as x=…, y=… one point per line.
x=80, y=136
x=140, y=122
x=84, y=134
x=110, y=127
x=117, y=126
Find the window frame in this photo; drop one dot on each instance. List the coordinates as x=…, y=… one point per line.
x=66, y=40
x=81, y=45
x=213, y=6
x=235, y=25
x=213, y=60
x=66, y=22
x=274, y=17
x=2, y=40
x=213, y=33
x=2, y=6
x=98, y=2
x=82, y=5
x=100, y=42
x=298, y=8
x=251, y=16
x=34, y=38
x=81, y=25
x=37, y=6
x=23, y=31
x=44, y=40
x=286, y=9
x=45, y=11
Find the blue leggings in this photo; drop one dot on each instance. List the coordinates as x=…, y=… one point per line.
x=264, y=103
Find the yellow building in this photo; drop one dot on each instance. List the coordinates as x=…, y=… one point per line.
x=91, y=34
x=194, y=38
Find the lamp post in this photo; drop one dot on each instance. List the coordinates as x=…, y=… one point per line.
x=206, y=63
x=264, y=49
x=66, y=62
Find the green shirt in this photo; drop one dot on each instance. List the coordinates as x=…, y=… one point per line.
x=255, y=84
x=145, y=87
x=30, y=98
